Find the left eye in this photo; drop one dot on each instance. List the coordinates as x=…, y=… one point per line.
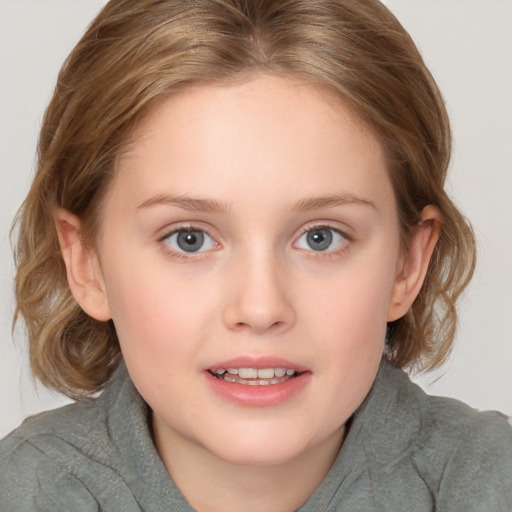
x=189, y=240
x=320, y=239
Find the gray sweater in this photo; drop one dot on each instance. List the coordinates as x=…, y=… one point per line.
x=405, y=451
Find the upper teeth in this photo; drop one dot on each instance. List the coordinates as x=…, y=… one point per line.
x=254, y=373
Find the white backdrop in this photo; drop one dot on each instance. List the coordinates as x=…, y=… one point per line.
x=468, y=46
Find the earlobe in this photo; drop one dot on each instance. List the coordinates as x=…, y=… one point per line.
x=414, y=265
x=83, y=270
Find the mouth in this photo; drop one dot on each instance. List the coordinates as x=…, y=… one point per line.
x=255, y=376
x=252, y=381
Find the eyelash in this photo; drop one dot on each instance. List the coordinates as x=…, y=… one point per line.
x=183, y=255
x=327, y=254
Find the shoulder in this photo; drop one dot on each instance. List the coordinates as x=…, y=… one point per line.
x=460, y=458
x=91, y=455
x=55, y=431
x=60, y=460
x=465, y=455
x=438, y=423
x=36, y=459
x=448, y=424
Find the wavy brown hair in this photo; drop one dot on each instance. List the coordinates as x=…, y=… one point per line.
x=137, y=52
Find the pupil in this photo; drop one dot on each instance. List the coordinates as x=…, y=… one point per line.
x=319, y=239
x=190, y=241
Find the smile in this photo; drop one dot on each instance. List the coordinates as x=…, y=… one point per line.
x=255, y=376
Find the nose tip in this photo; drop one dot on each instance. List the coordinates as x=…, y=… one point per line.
x=259, y=303
x=255, y=320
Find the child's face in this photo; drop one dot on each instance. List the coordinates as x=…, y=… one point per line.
x=290, y=262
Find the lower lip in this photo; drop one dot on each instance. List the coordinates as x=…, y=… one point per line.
x=269, y=395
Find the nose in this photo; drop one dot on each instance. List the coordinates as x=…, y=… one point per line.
x=259, y=298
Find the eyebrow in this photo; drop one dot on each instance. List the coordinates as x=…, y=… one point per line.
x=213, y=206
x=185, y=202
x=315, y=203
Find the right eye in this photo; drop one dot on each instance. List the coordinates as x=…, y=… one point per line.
x=189, y=241
x=321, y=238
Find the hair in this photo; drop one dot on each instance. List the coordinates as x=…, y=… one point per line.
x=137, y=52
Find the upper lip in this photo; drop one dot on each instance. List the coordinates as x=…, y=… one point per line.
x=258, y=362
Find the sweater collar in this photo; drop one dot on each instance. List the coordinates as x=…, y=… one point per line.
x=381, y=433
x=130, y=426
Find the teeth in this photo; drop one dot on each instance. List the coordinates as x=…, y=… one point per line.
x=248, y=373
x=253, y=373
x=266, y=373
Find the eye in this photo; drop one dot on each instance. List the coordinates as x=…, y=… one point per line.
x=189, y=240
x=320, y=239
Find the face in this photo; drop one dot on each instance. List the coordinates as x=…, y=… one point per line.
x=249, y=251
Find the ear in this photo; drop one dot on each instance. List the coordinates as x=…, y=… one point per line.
x=413, y=266
x=83, y=269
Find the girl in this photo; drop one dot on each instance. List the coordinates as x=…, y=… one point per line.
x=238, y=230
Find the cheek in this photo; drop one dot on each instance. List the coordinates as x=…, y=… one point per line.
x=348, y=315
x=160, y=334
x=353, y=299
x=348, y=320
x=155, y=312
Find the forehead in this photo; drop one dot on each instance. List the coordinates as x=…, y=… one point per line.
x=260, y=138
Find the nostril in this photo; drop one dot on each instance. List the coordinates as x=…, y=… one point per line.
x=257, y=313
x=259, y=326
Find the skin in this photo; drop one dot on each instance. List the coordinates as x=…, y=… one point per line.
x=264, y=152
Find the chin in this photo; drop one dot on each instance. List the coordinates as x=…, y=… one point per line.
x=260, y=449
x=259, y=458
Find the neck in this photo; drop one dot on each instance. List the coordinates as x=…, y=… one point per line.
x=211, y=484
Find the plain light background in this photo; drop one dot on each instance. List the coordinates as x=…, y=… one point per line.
x=468, y=46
